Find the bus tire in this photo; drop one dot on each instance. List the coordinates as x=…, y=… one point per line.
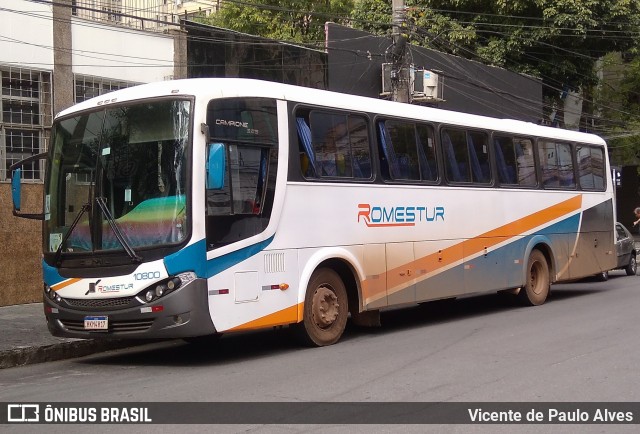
x=325, y=309
x=536, y=288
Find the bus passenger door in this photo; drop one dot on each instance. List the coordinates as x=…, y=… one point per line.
x=400, y=273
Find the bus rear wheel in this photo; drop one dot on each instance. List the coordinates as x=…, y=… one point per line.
x=536, y=288
x=325, y=309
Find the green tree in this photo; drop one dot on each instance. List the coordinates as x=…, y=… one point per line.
x=296, y=21
x=618, y=107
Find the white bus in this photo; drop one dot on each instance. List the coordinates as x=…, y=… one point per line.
x=199, y=207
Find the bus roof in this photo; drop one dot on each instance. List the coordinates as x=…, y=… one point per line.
x=209, y=88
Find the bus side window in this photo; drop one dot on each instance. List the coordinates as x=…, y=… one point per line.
x=307, y=157
x=557, y=165
x=456, y=155
x=427, y=152
x=479, y=157
x=590, y=167
x=525, y=162
x=334, y=145
x=407, y=151
x=505, y=160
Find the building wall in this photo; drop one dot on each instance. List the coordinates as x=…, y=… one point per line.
x=28, y=33
x=103, y=50
x=20, y=248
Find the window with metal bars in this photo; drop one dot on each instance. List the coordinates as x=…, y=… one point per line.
x=87, y=87
x=25, y=119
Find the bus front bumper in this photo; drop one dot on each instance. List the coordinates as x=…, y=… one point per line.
x=182, y=313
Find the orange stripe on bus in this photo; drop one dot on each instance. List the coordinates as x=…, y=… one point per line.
x=282, y=317
x=68, y=282
x=397, y=278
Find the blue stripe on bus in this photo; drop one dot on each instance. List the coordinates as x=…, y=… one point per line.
x=50, y=274
x=216, y=265
x=193, y=258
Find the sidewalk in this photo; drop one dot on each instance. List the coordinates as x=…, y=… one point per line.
x=25, y=339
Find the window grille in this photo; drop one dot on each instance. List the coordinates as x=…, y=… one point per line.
x=87, y=87
x=25, y=119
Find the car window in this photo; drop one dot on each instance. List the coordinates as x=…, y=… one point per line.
x=621, y=233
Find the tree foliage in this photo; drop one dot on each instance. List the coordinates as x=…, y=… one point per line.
x=618, y=102
x=299, y=21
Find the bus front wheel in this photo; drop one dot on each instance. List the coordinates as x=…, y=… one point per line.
x=536, y=288
x=325, y=309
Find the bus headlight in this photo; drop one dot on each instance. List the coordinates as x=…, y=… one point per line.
x=51, y=294
x=165, y=287
x=160, y=289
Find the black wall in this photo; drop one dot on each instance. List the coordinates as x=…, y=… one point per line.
x=355, y=65
x=215, y=52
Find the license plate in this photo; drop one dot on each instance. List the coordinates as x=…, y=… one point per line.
x=96, y=323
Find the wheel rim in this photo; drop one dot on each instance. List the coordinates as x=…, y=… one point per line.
x=634, y=265
x=325, y=307
x=534, y=278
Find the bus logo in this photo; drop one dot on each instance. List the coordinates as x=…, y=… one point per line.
x=92, y=287
x=398, y=216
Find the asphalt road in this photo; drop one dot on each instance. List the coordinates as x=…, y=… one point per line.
x=579, y=346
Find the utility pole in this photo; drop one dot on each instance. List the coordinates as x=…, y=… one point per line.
x=400, y=69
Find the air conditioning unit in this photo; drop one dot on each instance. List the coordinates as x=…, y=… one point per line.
x=427, y=86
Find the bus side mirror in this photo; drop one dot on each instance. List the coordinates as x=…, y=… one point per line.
x=16, y=191
x=16, y=186
x=216, y=162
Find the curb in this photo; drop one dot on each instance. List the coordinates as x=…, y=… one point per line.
x=22, y=356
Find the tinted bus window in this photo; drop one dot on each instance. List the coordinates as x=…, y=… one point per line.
x=334, y=145
x=466, y=156
x=407, y=151
x=456, y=157
x=514, y=161
x=556, y=165
x=590, y=167
x=479, y=157
x=249, y=120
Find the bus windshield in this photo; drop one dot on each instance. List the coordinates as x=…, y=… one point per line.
x=122, y=169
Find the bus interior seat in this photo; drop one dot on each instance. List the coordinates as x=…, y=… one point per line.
x=387, y=149
x=451, y=158
x=506, y=176
x=304, y=134
x=425, y=167
x=478, y=175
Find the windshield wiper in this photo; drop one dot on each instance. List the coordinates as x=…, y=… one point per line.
x=86, y=207
x=102, y=204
